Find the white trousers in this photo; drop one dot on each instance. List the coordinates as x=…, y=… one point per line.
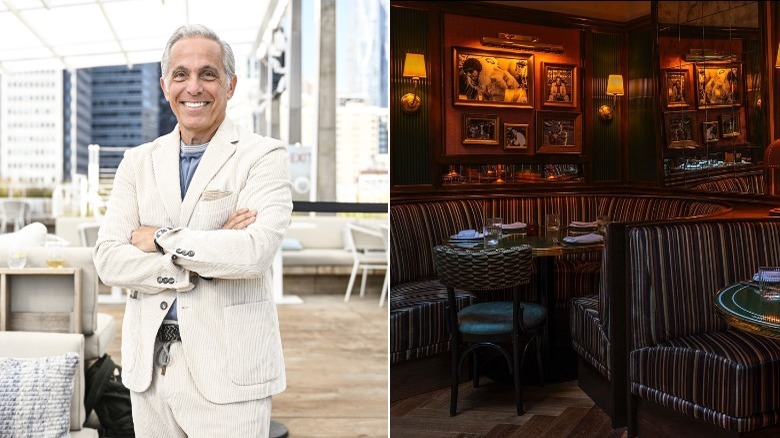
x=173, y=407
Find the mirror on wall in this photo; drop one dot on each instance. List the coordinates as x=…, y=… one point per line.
x=709, y=76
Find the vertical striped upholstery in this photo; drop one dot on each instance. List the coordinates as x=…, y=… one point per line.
x=682, y=356
x=417, y=300
x=736, y=184
x=588, y=334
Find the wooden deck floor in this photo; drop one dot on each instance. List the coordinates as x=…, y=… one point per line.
x=337, y=366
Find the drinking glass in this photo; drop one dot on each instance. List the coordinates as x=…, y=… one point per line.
x=552, y=225
x=769, y=282
x=17, y=256
x=492, y=231
x=54, y=255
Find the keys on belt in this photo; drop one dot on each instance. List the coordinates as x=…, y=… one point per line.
x=166, y=335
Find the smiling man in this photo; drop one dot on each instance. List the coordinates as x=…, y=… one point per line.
x=201, y=351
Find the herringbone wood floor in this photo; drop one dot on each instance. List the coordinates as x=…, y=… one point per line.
x=336, y=361
x=552, y=411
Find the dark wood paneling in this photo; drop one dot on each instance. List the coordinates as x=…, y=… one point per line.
x=606, y=149
x=642, y=109
x=409, y=139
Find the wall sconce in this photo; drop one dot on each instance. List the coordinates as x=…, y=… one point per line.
x=614, y=88
x=414, y=67
x=777, y=60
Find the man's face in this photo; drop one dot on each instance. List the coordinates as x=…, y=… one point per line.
x=473, y=75
x=196, y=88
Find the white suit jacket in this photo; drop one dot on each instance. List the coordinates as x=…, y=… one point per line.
x=229, y=326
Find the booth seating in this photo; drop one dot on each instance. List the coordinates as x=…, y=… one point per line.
x=684, y=362
x=653, y=334
x=418, y=301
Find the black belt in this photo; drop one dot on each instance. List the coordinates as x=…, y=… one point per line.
x=168, y=333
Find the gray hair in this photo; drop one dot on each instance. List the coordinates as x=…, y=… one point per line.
x=199, y=30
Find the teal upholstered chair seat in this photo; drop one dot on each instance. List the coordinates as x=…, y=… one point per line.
x=494, y=318
x=490, y=324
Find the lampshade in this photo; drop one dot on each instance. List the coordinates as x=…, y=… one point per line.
x=777, y=60
x=615, y=85
x=414, y=65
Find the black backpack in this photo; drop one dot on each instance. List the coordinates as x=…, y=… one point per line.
x=110, y=399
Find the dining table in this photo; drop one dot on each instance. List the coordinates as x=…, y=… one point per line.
x=742, y=307
x=558, y=358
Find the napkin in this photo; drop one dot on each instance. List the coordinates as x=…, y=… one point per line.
x=467, y=234
x=578, y=224
x=769, y=276
x=514, y=226
x=585, y=238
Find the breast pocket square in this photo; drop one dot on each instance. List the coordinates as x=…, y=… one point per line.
x=213, y=195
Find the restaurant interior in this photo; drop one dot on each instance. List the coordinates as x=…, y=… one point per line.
x=584, y=218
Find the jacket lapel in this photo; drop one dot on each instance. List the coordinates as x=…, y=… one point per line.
x=220, y=149
x=165, y=161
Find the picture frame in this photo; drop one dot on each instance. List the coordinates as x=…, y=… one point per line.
x=492, y=78
x=480, y=129
x=560, y=85
x=558, y=132
x=710, y=132
x=730, y=125
x=719, y=85
x=517, y=137
x=680, y=130
x=678, y=88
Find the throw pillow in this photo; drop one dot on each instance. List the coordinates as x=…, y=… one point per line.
x=290, y=244
x=35, y=395
x=31, y=235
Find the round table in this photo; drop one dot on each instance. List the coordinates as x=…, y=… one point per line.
x=742, y=307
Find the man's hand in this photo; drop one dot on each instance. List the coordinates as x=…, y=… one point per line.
x=242, y=218
x=143, y=238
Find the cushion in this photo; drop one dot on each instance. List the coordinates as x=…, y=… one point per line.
x=493, y=318
x=33, y=234
x=291, y=244
x=35, y=395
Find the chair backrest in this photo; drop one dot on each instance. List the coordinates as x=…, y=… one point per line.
x=364, y=238
x=487, y=269
x=14, y=212
x=88, y=233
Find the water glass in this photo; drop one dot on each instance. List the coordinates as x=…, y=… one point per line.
x=769, y=282
x=17, y=256
x=552, y=225
x=54, y=254
x=601, y=223
x=492, y=231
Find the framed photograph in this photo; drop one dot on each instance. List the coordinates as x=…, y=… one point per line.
x=558, y=132
x=560, y=85
x=680, y=132
x=729, y=124
x=480, y=129
x=491, y=78
x=677, y=88
x=710, y=132
x=718, y=85
x=517, y=137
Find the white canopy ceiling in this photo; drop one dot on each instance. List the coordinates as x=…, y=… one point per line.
x=39, y=34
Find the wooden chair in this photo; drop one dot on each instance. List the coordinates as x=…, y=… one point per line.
x=487, y=324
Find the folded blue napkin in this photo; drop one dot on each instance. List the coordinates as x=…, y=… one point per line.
x=514, y=226
x=585, y=238
x=467, y=234
x=769, y=276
